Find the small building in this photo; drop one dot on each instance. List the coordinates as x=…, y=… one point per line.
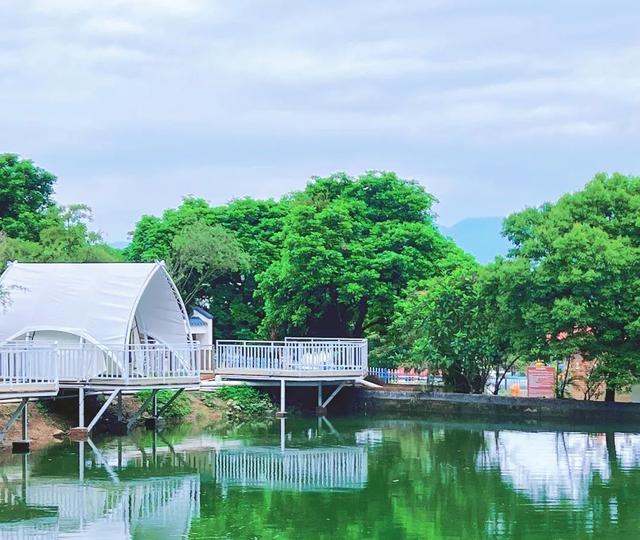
x=201, y=322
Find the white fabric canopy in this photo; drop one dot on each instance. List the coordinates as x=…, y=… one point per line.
x=111, y=304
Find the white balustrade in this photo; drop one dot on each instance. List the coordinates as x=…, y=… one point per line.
x=130, y=364
x=297, y=356
x=207, y=361
x=27, y=364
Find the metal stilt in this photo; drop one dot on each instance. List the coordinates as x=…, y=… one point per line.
x=283, y=409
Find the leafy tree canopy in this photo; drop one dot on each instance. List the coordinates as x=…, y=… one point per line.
x=244, y=235
x=25, y=195
x=64, y=237
x=349, y=248
x=572, y=278
x=200, y=254
x=450, y=322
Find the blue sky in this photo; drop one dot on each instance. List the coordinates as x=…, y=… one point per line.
x=491, y=105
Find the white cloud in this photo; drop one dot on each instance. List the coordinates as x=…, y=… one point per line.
x=458, y=91
x=113, y=26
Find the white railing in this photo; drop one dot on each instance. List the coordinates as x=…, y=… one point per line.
x=411, y=376
x=25, y=364
x=296, y=356
x=207, y=359
x=129, y=364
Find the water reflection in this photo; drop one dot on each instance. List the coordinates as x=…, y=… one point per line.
x=352, y=478
x=300, y=469
x=553, y=466
x=151, y=489
x=137, y=496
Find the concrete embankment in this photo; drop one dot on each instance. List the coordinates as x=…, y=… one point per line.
x=488, y=408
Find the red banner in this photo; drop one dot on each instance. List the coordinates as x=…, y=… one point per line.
x=541, y=382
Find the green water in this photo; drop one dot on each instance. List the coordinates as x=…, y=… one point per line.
x=348, y=478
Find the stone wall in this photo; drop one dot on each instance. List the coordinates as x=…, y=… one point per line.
x=487, y=408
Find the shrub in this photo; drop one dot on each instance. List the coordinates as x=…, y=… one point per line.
x=180, y=407
x=242, y=401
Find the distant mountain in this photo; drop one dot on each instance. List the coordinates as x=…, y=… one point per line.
x=119, y=245
x=480, y=237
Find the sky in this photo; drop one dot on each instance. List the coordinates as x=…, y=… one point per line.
x=491, y=105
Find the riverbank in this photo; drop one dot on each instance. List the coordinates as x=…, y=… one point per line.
x=413, y=401
x=51, y=420
x=45, y=428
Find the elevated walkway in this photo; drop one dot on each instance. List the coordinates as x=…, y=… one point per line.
x=295, y=361
x=293, y=358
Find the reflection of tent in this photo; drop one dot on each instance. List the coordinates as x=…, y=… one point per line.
x=110, y=304
x=21, y=520
x=164, y=507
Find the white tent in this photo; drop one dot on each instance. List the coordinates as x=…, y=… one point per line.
x=106, y=304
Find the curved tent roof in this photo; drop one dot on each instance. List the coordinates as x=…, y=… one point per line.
x=110, y=303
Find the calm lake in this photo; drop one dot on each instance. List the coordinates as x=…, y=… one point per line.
x=366, y=477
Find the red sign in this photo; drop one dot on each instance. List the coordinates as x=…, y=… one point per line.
x=541, y=382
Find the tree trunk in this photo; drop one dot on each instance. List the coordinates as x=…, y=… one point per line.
x=610, y=395
x=363, y=307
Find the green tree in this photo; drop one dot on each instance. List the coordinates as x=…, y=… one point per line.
x=231, y=295
x=200, y=254
x=25, y=195
x=449, y=322
x=349, y=249
x=64, y=237
x=572, y=278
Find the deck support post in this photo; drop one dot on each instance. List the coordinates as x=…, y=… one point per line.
x=120, y=408
x=320, y=410
x=19, y=411
x=81, y=407
x=81, y=433
x=155, y=405
x=168, y=404
x=282, y=413
x=103, y=409
x=134, y=419
x=157, y=421
x=23, y=446
x=333, y=394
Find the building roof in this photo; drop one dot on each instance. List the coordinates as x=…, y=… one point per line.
x=101, y=303
x=195, y=321
x=203, y=312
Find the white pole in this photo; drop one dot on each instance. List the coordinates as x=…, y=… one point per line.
x=282, y=396
x=155, y=406
x=81, y=408
x=25, y=421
